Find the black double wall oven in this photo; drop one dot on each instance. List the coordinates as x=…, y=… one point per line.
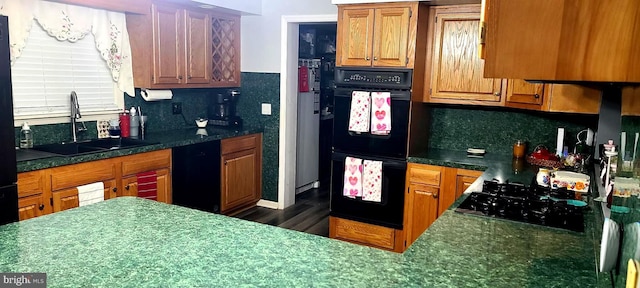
x=390, y=149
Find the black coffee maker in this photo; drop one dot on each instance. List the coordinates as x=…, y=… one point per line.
x=222, y=109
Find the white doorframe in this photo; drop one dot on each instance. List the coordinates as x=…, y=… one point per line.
x=288, y=103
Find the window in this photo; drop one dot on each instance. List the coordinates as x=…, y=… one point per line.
x=49, y=69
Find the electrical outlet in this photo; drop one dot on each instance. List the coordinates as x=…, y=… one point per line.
x=177, y=108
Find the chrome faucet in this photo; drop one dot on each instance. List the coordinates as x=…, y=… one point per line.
x=75, y=114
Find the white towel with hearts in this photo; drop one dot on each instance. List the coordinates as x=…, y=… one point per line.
x=352, y=177
x=381, y=113
x=359, y=119
x=372, y=181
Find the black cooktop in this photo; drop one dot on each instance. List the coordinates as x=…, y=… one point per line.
x=531, y=204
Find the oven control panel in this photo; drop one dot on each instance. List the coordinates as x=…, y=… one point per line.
x=367, y=77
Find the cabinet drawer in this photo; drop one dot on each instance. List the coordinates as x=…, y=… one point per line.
x=238, y=143
x=372, y=235
x=146, y=162
x=423, y=175
x=31, y=183
x=81, y=174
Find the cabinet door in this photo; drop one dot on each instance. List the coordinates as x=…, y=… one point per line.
x=225, y=50
x=167, y=45
x=522, y=94
x=197, y=47
x=423, y=209
x=571, y=98
x=239, y=179
x=391, y=33
x=630, y=101
x=164, y=186
x=457, y=71
x=129, y=186
x=65, y=199
x=31, y=207
x=110, y=189
x=355, y=37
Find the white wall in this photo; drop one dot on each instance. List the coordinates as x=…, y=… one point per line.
x=261, y=34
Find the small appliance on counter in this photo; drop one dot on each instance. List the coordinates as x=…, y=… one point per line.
x=222, y=110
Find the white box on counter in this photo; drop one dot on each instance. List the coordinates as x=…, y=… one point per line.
x=626, y=187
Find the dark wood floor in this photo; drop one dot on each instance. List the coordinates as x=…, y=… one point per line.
x=310, y=214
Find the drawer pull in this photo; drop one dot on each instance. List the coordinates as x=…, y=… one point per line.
x=126, y=187
x=435, y=195
x=115, y=189
x=41, y=207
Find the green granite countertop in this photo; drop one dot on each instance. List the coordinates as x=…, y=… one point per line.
x=165, y=140
x=504, y=168
x=132, y=242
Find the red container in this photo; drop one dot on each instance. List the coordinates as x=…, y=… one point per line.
x=125, y=124
x=303, y=79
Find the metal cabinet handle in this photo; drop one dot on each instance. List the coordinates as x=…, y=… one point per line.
x=367, y=58
x=375, y=58
x=189, y=77
x=497, y=93
x=180, y=77
x=225, y=162
x=537, y=96
x=41, y=207
x=435, y=195
x=126, y=187
x=115, y=189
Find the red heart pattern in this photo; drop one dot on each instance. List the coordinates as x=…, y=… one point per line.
x=372, y=184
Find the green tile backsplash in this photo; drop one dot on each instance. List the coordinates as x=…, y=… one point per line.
x=496, y=129
x=257, y=88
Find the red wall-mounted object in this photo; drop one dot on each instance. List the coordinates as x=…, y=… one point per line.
x=303, y=79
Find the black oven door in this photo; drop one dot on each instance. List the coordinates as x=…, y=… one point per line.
x=392, y=145
x=388, y=212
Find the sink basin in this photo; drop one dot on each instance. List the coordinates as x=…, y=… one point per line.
x=116, y=143
x=68, y=148
x=91, y=146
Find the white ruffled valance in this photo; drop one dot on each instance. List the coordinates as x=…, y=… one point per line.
x=72, y=23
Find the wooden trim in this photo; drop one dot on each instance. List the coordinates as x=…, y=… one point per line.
x=424, y=174
x=144, y=162
x=135, y=6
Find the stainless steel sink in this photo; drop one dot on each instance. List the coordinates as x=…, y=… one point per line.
x=90, y=146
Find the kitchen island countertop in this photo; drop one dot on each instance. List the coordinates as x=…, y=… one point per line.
x=163, y=139
x=131, y=242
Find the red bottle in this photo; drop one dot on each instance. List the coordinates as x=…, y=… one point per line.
x=125, y=124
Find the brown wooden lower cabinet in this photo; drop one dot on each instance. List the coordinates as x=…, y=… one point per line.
x=45, y=191
x=428, y=197
x=366, y=234
x=31, y=207
x=241, y=173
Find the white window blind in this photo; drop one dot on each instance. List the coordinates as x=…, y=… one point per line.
x=48, y=70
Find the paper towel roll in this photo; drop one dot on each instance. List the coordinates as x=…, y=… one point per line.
x=156, y=95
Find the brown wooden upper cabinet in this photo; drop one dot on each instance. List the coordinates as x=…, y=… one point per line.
x=563, y=40
x=173, y=47
x=378, y=35
x=456, y=70
x=522, y=94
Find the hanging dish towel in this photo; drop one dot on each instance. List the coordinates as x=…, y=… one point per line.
x=359, y=114
x=352, y=177
x=148, y=185
x=90, y=193
x=372, y=181
x=381, y=113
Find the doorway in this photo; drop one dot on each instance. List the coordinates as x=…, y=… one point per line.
x=290, y=34
x=316, y=62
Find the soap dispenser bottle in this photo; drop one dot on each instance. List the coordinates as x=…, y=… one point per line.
x=26, y=136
